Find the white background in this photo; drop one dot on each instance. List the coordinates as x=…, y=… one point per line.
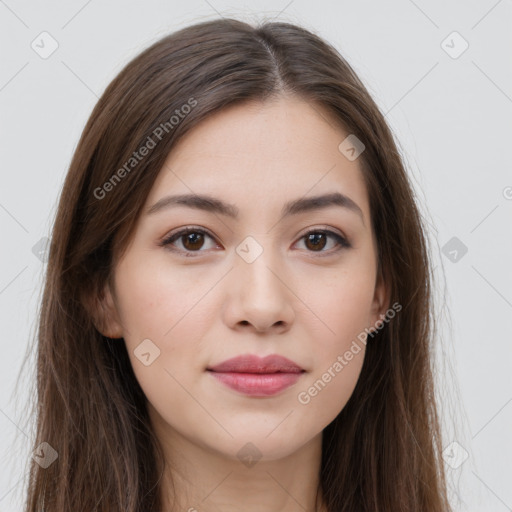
x=451, y=116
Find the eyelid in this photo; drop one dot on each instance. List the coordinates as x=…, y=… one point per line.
x=187, y=229
x=325, y=228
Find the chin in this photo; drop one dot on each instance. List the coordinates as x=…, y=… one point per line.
x=256, y=445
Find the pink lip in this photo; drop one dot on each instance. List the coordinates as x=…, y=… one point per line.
x=256, y=376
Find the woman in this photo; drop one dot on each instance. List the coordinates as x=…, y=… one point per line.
x=236, y=314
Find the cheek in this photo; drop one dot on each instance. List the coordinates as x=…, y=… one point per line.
x=154, y=301
x=343, y=306
x=339, y=354
x=155, y=309
x=328, y=390
x=157, y=305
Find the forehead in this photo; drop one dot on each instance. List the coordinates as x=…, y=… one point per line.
x=258, y=153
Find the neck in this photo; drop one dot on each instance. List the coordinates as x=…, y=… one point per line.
x=199, y=479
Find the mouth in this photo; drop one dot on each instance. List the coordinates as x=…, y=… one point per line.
x=255, y=376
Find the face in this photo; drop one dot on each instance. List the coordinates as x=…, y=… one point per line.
x=262, y=271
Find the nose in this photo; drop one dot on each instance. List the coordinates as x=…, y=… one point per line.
x=258, y=299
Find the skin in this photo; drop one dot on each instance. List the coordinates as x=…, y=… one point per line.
x=199, y=310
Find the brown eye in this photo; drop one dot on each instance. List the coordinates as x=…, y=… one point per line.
x=193, y=241
x=188, y=241
x=318, y=240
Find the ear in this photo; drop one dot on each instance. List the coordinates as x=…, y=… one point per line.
x=104, y=314
x=380, y=303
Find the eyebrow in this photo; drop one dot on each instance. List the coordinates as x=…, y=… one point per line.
x=211, y=204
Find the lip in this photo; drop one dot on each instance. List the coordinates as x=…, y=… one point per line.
x=249, y=363
x=256, y=376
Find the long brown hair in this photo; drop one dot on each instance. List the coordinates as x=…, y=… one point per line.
x=383, y=451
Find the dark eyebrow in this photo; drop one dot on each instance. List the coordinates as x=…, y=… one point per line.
x=301, y=205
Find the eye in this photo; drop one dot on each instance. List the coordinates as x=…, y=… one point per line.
x=191, y=240
x=316, y=240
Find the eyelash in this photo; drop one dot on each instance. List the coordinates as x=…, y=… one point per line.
x=166, y=242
